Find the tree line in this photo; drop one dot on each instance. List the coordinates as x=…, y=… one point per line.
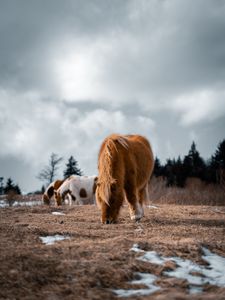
x=176, y=171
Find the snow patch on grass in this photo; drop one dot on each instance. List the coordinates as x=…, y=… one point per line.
x=58, y=213
x=145, y=279
x=51, y=239
x=4, y=203
x=196, y=275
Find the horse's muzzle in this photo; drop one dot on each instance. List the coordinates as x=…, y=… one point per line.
x=109, y=222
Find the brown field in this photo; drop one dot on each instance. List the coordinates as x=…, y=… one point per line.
x=196, y=192
x=97, y=259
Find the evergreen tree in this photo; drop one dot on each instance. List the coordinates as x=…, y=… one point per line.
x=169, y=172
x=17, y=189
x=1, y=185
x=219, y=156
x=180, y=176
x=11, y=187
x=210, y=174
x=216, y=168
x=72, y=168
x=157, y=168
x=194, y=164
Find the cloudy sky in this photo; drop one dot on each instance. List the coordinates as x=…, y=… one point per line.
x=72, y=72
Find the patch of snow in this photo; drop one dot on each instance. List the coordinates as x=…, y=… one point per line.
x=196, y=275
x=51, y=239
x=184, y=270
x=4, y=203
x=153, y=257
x=27, y=203
x=145, y=279
x=216, y=270
x=58, y=213
x=152, y=206
x=195, y=289
x=136, y=248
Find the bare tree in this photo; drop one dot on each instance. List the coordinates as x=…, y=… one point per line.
x=48, y=173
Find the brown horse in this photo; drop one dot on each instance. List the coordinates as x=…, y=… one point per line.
x=125, y=164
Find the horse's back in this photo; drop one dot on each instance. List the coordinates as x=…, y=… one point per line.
x=142, y=152
x=130, y=155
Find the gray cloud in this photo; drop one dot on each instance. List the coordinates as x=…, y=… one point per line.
x=72, y=72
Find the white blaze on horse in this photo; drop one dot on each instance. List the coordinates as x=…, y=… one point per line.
x=125, y=165
x=77, y=190
x=49, y=192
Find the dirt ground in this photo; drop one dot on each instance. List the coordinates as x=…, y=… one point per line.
x=97, y=259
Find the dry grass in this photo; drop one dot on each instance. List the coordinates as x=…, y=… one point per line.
x=196, y=192
x=97, y=258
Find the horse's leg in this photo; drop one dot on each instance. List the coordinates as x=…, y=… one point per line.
x=80, y=201
x=136, y=209
x=70, y=199
x=143, y=197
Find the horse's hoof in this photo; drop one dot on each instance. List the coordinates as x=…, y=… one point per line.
x=107, y=222
x=136, y=219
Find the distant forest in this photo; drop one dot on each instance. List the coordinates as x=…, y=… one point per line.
x=174, y=171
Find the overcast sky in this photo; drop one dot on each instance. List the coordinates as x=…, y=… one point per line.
x=72, y=72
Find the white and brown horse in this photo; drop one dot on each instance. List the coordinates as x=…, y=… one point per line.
x=125, y=164
x=77, y=190
x=49, y=192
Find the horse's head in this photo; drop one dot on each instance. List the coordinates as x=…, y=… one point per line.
x=45, y=199
x=58, y=198
x=109, y=201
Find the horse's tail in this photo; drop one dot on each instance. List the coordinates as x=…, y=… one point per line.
x=105, y=165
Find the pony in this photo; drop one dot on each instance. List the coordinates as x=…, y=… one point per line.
x=125, y=165
x=49, y=192
x=77, y=190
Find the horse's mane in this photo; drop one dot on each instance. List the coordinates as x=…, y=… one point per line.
x=105, y=177
x=64, y=186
